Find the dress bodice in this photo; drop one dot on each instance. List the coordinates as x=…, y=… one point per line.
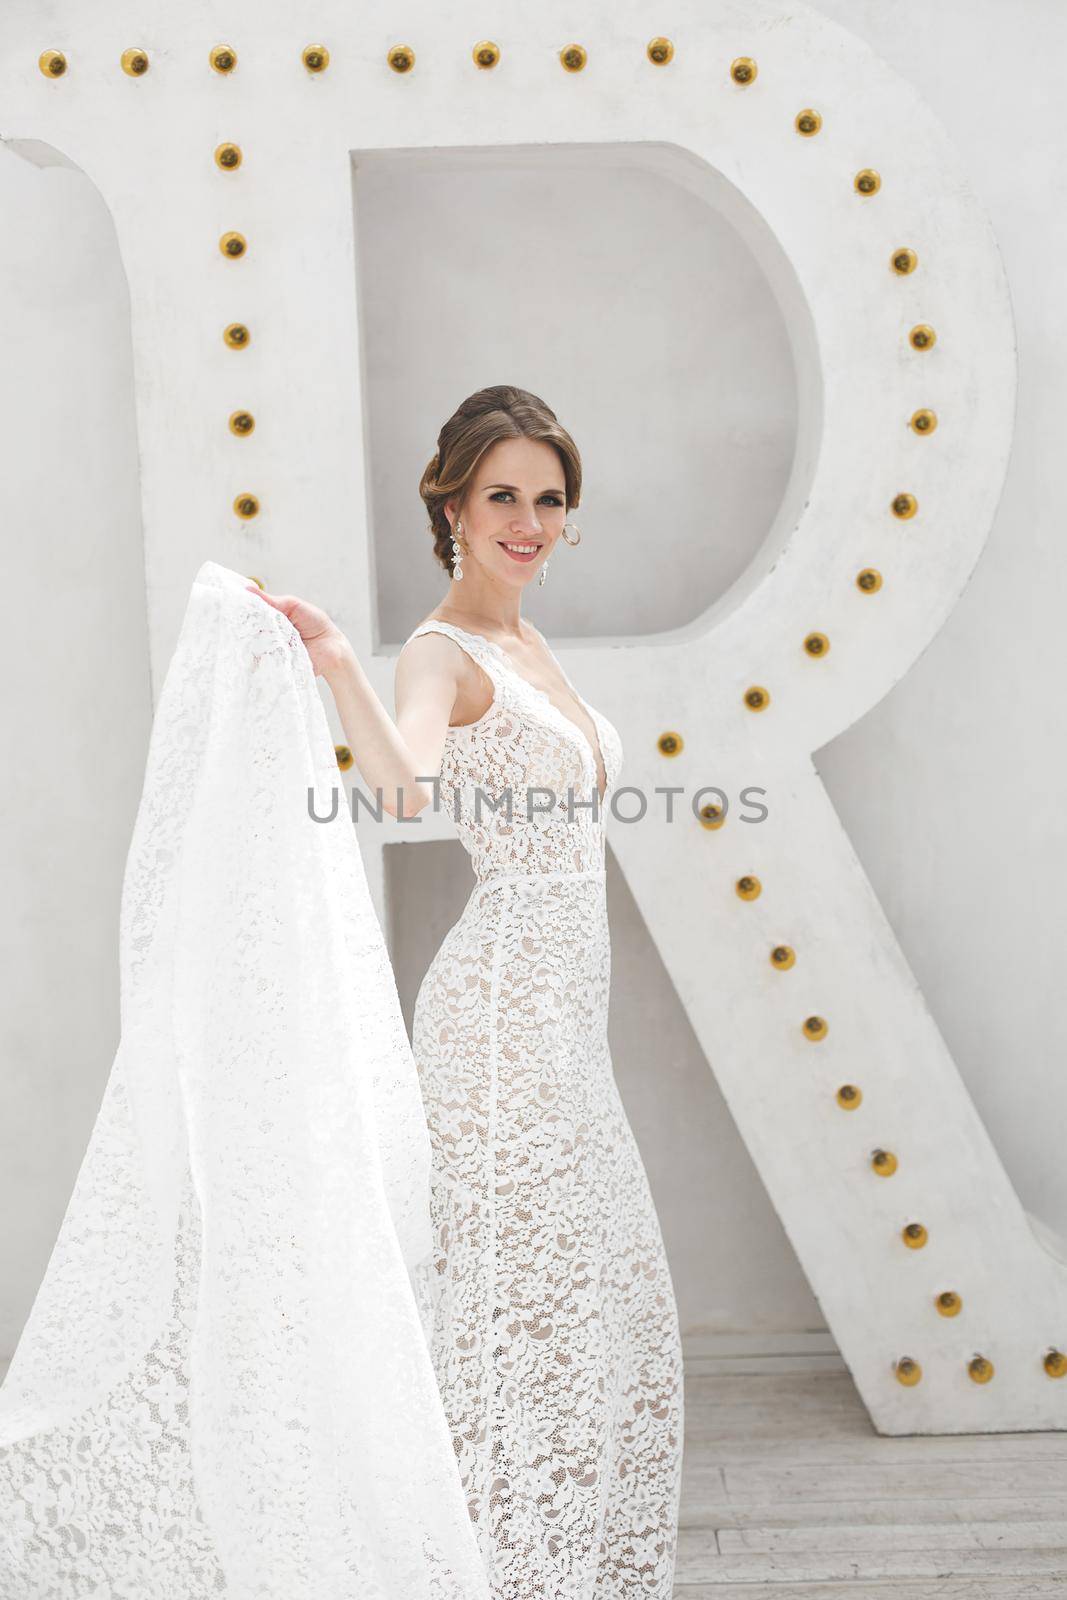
x=523, y=748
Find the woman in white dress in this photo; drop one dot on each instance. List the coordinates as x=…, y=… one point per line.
x=555, y=1338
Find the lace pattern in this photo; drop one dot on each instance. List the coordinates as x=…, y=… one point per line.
x=555, y=1336
x=224, y=1386
x=524, y=745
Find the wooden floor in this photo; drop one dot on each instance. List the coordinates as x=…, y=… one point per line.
x=788, y=1491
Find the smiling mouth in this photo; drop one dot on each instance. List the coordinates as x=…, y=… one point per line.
x=520, y=555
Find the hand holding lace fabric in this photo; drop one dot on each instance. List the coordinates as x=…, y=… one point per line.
x=224, y=1386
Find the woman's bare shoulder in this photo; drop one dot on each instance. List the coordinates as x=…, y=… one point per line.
x=430, y=654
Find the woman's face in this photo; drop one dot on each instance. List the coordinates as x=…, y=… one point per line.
x=517, y=497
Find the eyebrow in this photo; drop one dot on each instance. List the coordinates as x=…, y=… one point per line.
x=514, y=486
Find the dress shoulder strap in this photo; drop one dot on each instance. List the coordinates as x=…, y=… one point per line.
x=483, y=651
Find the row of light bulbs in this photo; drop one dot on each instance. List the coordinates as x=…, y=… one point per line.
x=401, y=58
x=849, y=1096
x=904, y=505
x=979, y=1369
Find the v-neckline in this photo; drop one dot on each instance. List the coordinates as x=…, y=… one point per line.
x=595, y=755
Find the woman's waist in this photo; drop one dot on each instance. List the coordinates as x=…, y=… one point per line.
x=532, y=876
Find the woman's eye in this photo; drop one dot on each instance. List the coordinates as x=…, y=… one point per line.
x=553, y=499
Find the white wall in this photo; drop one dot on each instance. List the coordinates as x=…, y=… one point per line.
x=949, y=787
x=76, y=695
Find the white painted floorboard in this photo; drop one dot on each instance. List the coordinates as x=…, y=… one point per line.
x=788, y=1491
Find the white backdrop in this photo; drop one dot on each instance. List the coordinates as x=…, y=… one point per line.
x=948, y=787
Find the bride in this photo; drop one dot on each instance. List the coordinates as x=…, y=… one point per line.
x=555, y=1338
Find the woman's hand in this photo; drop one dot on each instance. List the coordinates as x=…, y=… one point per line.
x=323, y=640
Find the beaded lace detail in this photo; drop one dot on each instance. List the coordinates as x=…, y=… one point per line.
x=555, y=1334
x=524, y=745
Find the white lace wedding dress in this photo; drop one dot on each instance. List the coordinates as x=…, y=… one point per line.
x=555, y=1340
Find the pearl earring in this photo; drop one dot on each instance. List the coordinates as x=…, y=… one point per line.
x=457, y=570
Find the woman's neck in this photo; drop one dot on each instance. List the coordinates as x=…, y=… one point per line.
x=499, y=614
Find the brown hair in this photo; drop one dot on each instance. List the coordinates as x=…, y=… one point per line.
x=501, y=412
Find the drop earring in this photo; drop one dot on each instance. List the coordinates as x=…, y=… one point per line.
x=544, y=572
x=457, y=553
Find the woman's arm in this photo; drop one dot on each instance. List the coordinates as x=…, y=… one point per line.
x=391, y=757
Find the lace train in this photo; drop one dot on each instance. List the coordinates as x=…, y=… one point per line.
x=224, y=1387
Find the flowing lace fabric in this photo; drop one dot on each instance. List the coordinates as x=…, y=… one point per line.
x=556, y=1340
x=224, y=1386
